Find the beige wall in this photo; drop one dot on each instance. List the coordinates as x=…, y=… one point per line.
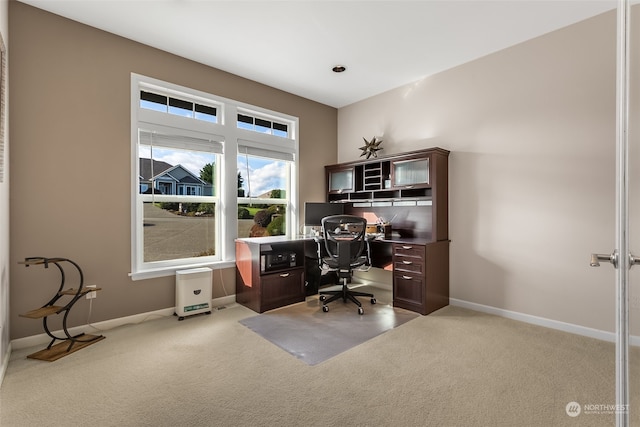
x=531, y=131
x=70, y=163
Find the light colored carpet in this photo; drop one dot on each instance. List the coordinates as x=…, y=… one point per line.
x=454, y=367
x=313, y=336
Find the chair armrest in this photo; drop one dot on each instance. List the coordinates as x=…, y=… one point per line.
x=319, y=242
x=367, y=240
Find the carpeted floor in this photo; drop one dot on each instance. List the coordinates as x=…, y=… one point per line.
x=454, y=367
x=313, y=336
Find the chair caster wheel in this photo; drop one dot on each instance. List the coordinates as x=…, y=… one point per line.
x=373, y=301
x=322, y=298
x=180, y=318
x=360, y=310
x=325, y=308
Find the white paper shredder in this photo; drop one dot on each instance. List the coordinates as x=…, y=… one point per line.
x=193, y=292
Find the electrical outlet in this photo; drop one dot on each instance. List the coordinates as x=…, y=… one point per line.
x=91, y=295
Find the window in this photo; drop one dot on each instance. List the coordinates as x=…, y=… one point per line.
x=179, y=107
x=197, y=173
x=178, y=201
x=263, y=201
x=254, y=123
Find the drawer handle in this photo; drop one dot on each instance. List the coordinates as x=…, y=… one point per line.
x=407, y=247
x=407, y=262
x=409, y=186
x=285, y=274
x=407, y=277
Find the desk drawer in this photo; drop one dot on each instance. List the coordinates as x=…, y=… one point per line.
x=280, y=289
x=408, y=291
x=408, y=250
x=408, y=264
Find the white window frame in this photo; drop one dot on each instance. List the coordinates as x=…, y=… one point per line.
x=227, y=132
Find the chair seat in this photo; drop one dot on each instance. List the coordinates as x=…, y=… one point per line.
x=333, y=263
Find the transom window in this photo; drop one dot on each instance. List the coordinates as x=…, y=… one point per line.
x=249, y=121
x=201, y=179
x=180, y=107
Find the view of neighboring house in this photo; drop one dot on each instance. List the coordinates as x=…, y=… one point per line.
x=170, y=179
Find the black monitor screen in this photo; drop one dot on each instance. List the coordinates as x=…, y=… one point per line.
x=315, y=211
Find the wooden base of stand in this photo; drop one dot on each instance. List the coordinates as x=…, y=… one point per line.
x=61, y=349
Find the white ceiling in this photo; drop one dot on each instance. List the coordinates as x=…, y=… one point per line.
x=292, y=45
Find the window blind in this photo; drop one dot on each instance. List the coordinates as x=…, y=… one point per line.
x=269, y=153
x=156, y=136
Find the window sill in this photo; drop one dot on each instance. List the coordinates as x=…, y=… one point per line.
x=171, y=271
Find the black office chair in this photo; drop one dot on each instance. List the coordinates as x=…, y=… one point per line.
x=347, y=248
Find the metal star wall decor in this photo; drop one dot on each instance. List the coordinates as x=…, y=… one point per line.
x=372, y=147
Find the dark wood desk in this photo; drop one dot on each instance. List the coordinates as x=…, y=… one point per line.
x=420, y=271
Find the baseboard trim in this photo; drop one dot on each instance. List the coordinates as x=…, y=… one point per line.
x=41, y=339
x=541, y=321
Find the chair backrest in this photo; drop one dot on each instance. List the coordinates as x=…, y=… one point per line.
x=344, y=238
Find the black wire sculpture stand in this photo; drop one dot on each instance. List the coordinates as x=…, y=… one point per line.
x=54, y=307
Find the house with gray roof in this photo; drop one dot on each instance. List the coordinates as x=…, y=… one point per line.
x=168, y=179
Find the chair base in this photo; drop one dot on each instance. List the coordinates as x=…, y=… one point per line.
x=345, y=294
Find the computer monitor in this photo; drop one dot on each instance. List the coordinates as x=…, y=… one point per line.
x=315, y=211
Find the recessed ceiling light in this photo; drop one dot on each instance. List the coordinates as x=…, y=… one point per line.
x=339, y=68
